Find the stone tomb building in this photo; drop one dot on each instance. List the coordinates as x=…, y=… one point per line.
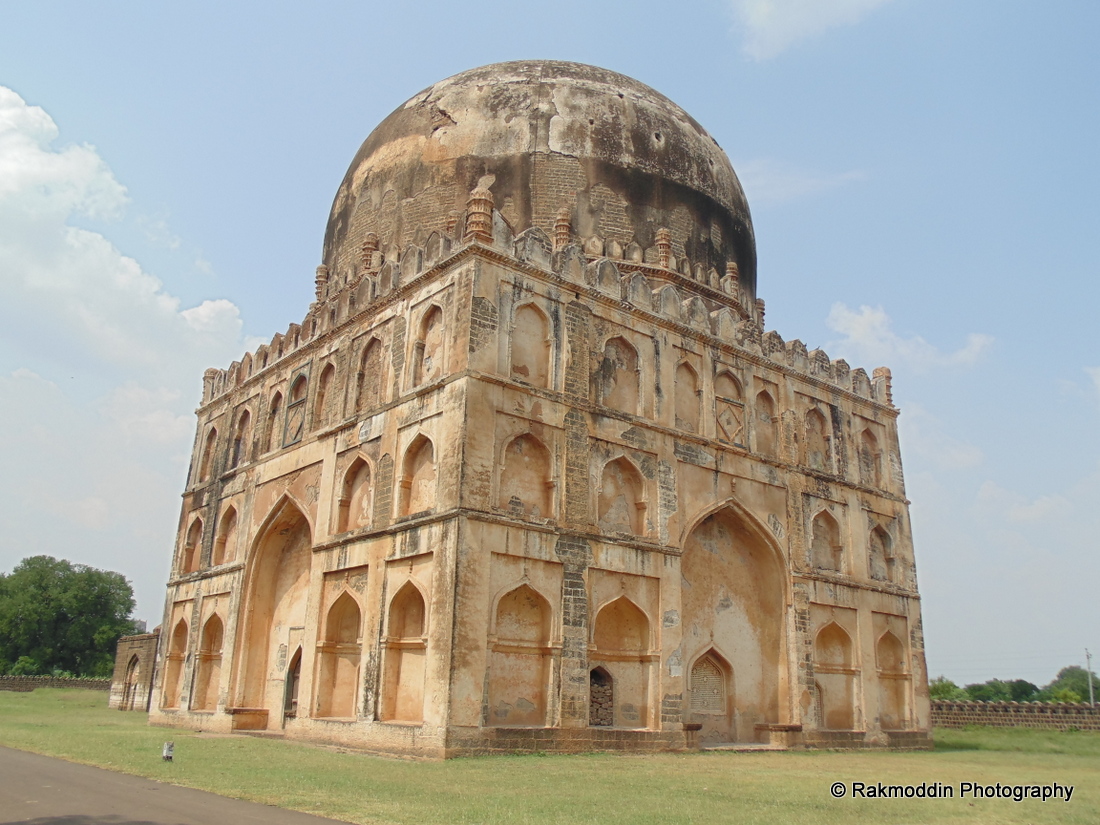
x=531, y=475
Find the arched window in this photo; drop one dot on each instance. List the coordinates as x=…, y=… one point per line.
x=618, y=379
x=340, y=651
x=881, y=556
x=296, y=411
x=708, y=686
x=192, y=548
x=209, y=666
x=173, y=674
x=526, y=483
x=621, y=639
x=766, y=429
x=406, y=648
x=815, y=443
x=242, y=438
x=428, y=350
x=519, y=667
x=368, y=381
x=225, y=543
x=826, y=550
x=833, y=666
x=729, y=409
x=870, y=459
x=206, y=465
x=531, y=347
x=322, y=402
x=271, y=428
x=621, y=504
x=355, y=498
x=687, y=399
x=418, y=478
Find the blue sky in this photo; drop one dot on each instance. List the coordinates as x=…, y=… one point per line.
x=922, y=174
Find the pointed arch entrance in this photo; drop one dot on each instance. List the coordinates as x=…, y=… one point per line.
x=275, y=613
x=733, y=601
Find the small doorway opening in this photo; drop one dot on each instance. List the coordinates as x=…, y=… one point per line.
x=293, y=680
x=601, y=698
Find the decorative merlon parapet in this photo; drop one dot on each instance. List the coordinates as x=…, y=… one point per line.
x=644, y=279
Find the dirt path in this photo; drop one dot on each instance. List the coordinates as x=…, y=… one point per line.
x=39, y=790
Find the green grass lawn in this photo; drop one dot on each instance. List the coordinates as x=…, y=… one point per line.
x=708, y=788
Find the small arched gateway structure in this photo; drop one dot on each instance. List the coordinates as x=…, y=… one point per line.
x=530, y=473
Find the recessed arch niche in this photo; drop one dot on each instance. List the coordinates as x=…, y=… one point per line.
x=621, y=642
x=406, y=656
x=834, y=667
x=339, y=653
x=526, y=482
x=893, y=680
x=520, y=659
x=531, y=347
x=173, y=671
x=276, y=592
x=209, y=666
x=733, y=600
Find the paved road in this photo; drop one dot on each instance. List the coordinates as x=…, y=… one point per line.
x=38, y=790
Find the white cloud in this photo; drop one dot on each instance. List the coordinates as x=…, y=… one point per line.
x=1094, y=374
x=869, y=338
x=772, y=26
x=925, y=438
x=41, y=182
x=93, y=467
x=157, y=232
x=1017, y=509
x=769, y=182
x=147, y=413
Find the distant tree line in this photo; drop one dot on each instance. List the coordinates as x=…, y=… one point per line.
x=63, y=619
x=1070, y=685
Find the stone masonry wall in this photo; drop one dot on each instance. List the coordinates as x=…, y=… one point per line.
x=25, y=684
x=1044, y=715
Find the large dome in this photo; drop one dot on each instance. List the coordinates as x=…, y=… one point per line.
x=619, y=158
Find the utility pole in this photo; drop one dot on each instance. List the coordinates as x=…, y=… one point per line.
x=1088, y=667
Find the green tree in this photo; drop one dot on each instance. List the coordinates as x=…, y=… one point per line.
x=1070, y=681
x=1021, y=690
x=943, y=689
x=59, y=616
x=992, y=691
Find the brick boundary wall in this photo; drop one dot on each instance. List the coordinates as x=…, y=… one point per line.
x=1045, y=715
x=25, y=684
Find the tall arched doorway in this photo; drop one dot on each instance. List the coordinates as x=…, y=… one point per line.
x=275, y=612
x=733, y=628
